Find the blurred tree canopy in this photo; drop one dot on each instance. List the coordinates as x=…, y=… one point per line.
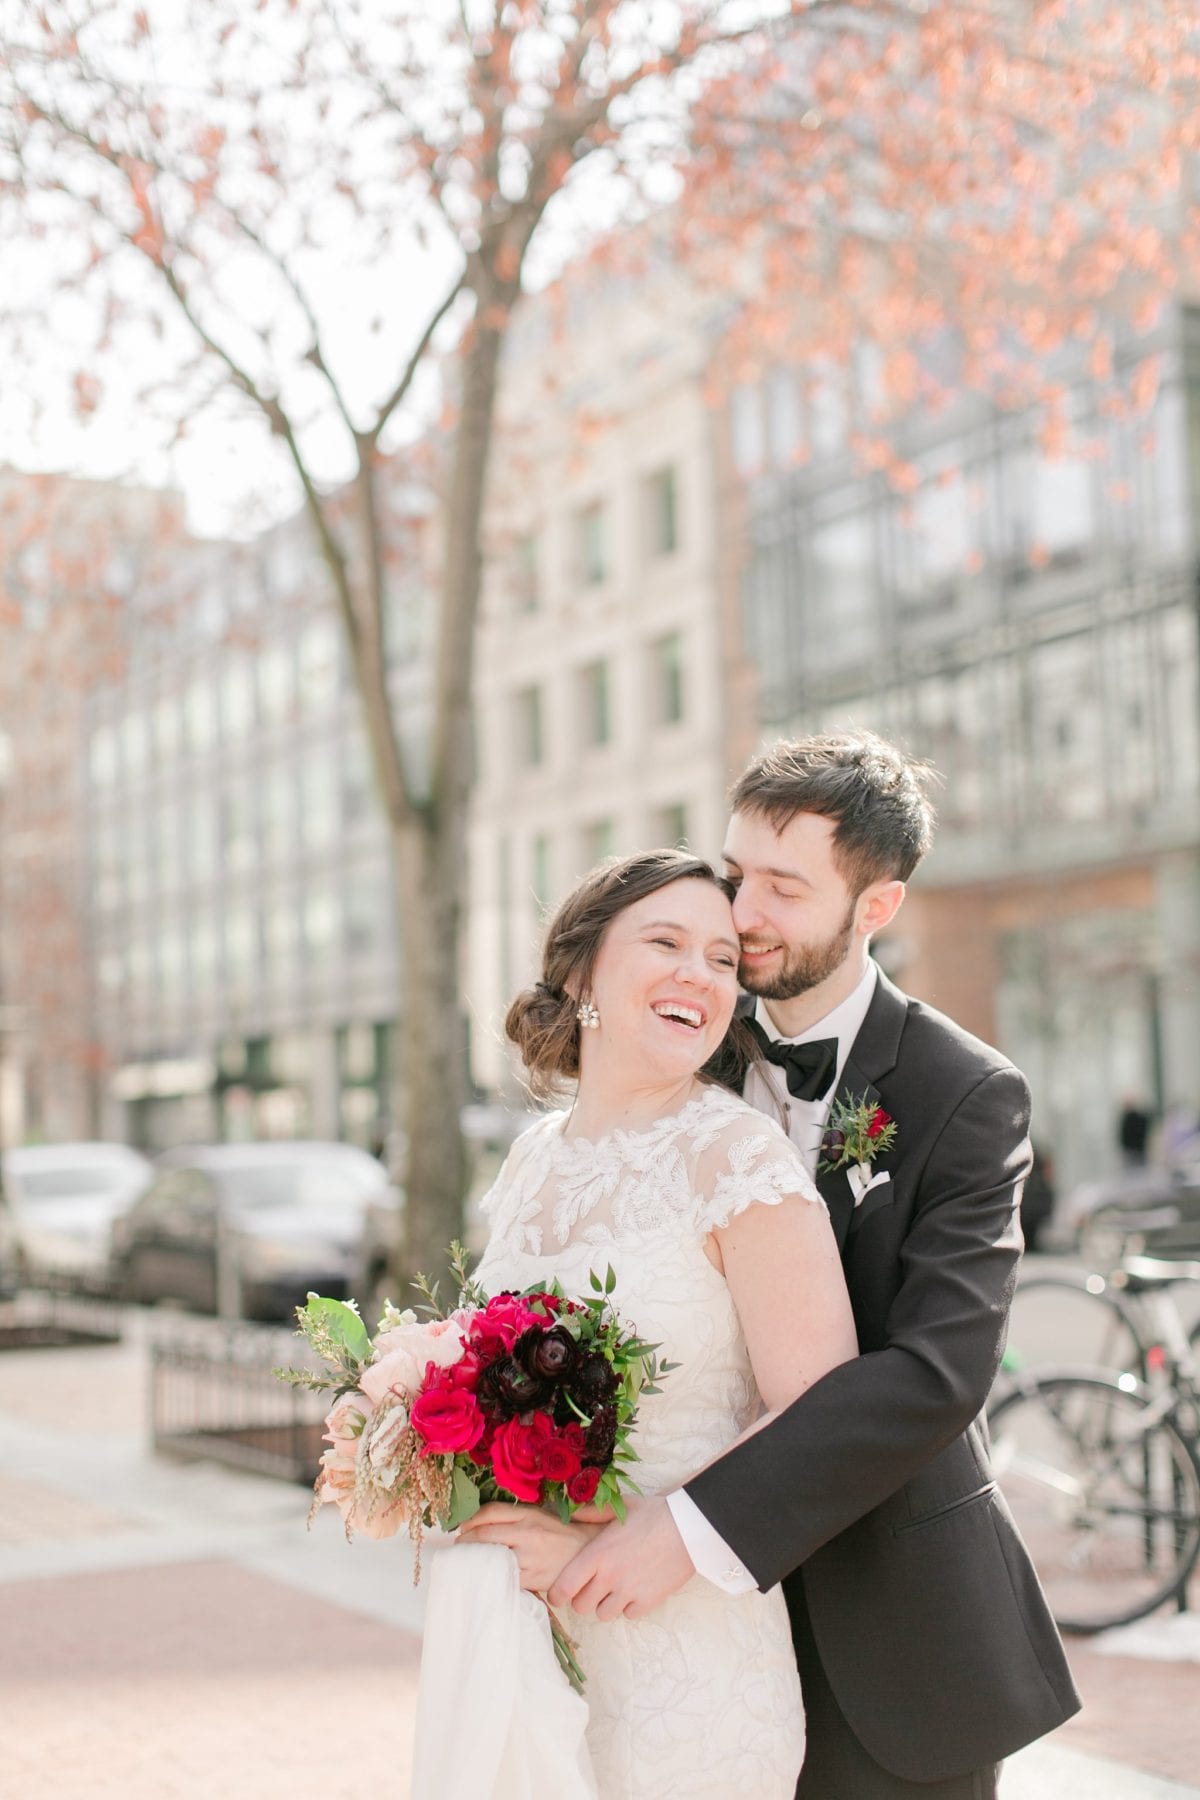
x=249, y=207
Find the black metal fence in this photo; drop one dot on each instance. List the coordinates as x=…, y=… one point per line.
x=59, y=1312
x=214, y=1397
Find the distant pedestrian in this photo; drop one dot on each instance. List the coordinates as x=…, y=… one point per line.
x=1133, y=1133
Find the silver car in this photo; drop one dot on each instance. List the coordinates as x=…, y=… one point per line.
x=65, y=1199
x=246, y=1230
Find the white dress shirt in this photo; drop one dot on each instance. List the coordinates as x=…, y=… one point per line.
x=804, y=1122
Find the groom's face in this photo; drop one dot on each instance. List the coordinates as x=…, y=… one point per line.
x=795, y=915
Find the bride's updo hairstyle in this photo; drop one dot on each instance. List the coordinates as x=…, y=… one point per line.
x=541, y=1020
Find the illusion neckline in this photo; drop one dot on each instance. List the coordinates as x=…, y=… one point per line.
x=640, y=1131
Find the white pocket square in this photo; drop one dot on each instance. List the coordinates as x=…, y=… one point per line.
x=862, y=1181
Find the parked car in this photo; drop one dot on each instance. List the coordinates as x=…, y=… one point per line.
x=1155, y=1210
x=248, y=1229
x=65, y=1199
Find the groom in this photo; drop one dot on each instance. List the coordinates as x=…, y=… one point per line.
x=926, y=1651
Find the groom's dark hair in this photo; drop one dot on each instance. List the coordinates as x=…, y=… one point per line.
x=875, y=794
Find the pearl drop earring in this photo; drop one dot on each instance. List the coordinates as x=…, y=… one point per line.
x=588, y=1016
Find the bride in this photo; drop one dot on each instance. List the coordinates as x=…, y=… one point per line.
x=724, y=1257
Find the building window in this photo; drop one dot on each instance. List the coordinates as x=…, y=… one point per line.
x=276, y=683
x=322, y=926
x=103, y=756
x=358, y=778
x=667, y=655
x=278, y=808
x=281, y=932
x=746, y=429
x=660, y=501
x=526, y=595
x=319, y=673
x=237, y=700
x=201, y=710
x=528, y=728
x=540, y=870
x=319, y=803
x=594, y=704
x=593, y=545
x=785, y=427
x=670, y=826
x=168, y=728
x=237, y=825
x=599, y=841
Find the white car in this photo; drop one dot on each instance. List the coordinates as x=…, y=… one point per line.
x=64, y=1200
x=249, y=1229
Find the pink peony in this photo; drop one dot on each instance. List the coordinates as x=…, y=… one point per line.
x=403, y=1354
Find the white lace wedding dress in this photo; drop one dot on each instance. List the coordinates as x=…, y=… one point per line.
x=702, y=1698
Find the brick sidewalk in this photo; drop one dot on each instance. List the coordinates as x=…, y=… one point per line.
x=195, y=1679
x=171, y=1631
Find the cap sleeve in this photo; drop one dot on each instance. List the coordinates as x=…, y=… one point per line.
x=752, y=1162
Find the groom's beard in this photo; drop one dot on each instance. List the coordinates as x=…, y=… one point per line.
x=804, y=966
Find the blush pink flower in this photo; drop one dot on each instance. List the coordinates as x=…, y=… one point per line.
x=403, y=1354
x=339, y=1464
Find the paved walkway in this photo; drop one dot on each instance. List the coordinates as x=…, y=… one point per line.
x=172, y=1631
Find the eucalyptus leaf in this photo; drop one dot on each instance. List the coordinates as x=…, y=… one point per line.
x=464, y=1500
x=341, y=1323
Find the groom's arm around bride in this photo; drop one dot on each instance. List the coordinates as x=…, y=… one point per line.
x=926, y=1651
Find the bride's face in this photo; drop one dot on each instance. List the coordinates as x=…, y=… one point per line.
x=665, y=981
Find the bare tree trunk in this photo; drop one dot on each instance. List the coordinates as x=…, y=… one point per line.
x=430, y=853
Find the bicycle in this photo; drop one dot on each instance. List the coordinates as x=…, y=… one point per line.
x=1101, y=1468
x=1105, y=1324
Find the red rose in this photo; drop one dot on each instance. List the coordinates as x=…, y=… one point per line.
x=582, y=1487
x=500, y=1324
x=879, y=1122
x=481, y=1453
x=551, y=1302
x=466, y=1371
x=516, y=1457
x=447, y=1418
x=561, y=1456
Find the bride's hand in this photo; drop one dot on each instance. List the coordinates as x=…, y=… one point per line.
x=542, y=1544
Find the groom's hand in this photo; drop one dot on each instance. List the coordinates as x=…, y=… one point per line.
x=627, y=1570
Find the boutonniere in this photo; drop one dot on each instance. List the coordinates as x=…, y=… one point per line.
x=858, y=1131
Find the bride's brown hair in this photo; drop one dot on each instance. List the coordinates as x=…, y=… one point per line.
x=541, y=1021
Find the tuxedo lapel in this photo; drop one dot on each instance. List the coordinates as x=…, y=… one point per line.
x=872, y=1056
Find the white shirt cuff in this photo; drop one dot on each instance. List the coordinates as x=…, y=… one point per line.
x=710, y=1554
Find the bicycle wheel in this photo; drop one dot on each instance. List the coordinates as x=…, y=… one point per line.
x=1105, y=1492
x=1072, y=1318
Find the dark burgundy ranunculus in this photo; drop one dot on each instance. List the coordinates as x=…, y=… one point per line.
x=593, y=1383
x=601, y=1436
x=547, y=1355
x=508, y=1388
x=833, y=1143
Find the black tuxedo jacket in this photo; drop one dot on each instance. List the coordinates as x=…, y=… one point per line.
x=872, y=1498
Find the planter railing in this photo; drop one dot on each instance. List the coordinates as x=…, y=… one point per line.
x=214, y=1397
x=59, y=1311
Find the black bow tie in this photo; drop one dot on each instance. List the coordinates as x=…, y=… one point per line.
x=809, y=1068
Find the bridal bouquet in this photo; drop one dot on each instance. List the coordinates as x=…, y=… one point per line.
x=522, y=1396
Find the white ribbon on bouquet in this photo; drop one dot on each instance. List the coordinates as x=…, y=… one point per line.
x=496, y=1716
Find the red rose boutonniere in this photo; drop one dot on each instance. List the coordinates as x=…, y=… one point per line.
x=858, y=1131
